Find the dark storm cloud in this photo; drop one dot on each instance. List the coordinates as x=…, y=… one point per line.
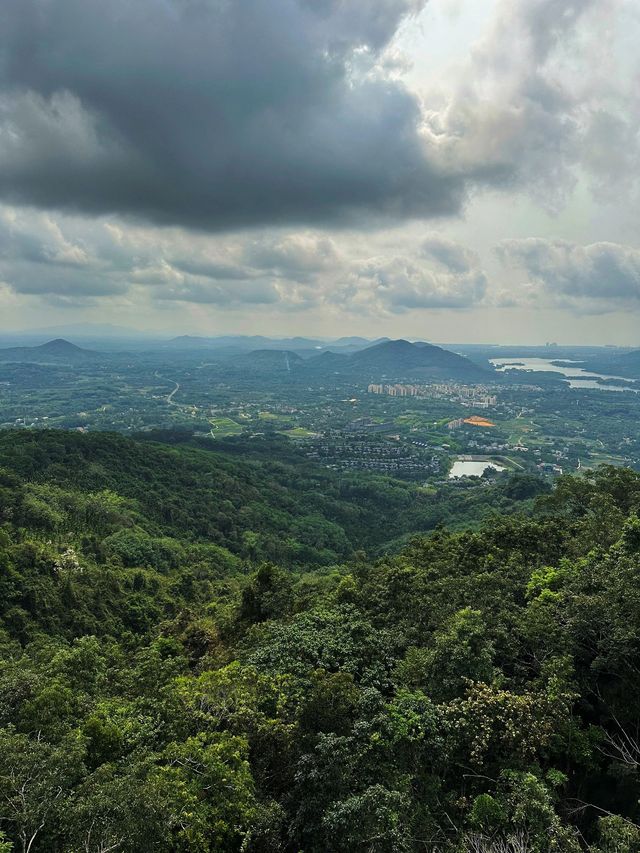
x=212, y=114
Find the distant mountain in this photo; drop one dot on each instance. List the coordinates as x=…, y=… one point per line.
x=326, y=363
x=104, y=337
x=188, y=342
x=349, y=345
x=58, y=350
x=614, y=364
x=628, y=364
x=356, y=341
x=249, y=343
x=268, y=361
x=398, y=360
x=404, y=360
x=352, y=341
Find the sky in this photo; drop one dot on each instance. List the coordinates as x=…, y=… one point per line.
x=449, y=170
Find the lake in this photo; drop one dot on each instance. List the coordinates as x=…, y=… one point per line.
x=577, y=377
x=467, y=468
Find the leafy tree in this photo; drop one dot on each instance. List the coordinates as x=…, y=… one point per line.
x=36, y=780
x=460, y=653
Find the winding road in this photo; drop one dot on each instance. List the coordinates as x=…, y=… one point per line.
x=170, y=396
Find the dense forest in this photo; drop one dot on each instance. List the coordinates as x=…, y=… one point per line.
x=219, y=652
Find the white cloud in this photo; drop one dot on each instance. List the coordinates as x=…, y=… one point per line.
x=449, y=254
x=406, y=283
x=595, y=277
x=540, y=99
x=74, y=259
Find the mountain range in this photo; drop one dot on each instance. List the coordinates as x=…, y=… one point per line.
x=249, y=343
x=386, y=360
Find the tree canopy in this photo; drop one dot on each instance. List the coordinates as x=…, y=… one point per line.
x=198, y=656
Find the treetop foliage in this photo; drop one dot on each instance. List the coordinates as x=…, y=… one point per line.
x=206, y=653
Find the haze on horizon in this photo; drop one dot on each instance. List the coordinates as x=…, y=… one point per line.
x=451, y=170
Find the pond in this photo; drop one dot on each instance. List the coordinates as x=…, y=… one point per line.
x=468, y=468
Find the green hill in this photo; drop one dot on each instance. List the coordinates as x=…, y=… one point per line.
x=402, y=360
x=164, y=687
x=292, y=512
x=57, y=351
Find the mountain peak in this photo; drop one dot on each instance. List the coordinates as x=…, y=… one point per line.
x=402, y=359
x=59, y=345
x=57, y=350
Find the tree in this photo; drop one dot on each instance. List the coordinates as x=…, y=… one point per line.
x=267, y=596
x=460, y=653
x=36, y=780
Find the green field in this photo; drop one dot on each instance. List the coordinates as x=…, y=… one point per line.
x=299, y=432
x=523, y=430
x=223, y=427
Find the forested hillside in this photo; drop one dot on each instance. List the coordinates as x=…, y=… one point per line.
x=202, y=652
x=245, y=500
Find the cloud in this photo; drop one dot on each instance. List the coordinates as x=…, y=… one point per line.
x=297, y=257
x=401, y=284
x=214, y=115
x=448, y=253
x=599, y=276
x=44, y=243
x=70, y=259
x=545, y=96
x=37, y=258
x=611, y=152
x=216, y=270
x=251, y=293
x=217, y=116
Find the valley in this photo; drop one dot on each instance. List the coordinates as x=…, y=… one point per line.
x=408, y=410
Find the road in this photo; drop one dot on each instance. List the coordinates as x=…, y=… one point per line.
x=175, y=390
x=170, y=396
